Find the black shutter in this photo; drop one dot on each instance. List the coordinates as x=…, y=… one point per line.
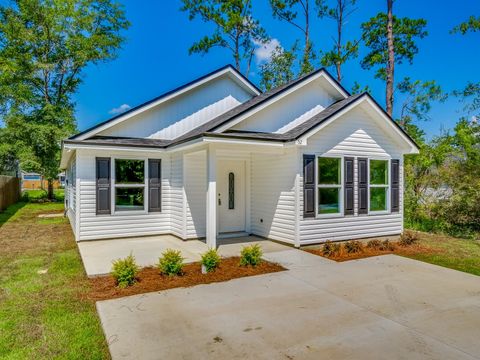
x=154, y=185
x=103, y=185
x=308, y=186
x=348, y=183
x=362, y=186
x=395, y=188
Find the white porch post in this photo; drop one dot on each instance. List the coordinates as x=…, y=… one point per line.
x=211, y=212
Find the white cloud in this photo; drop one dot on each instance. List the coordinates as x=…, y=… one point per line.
x=118, y=110
x=264, y=51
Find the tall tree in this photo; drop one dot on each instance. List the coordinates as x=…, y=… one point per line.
x=44, y=46
x=342, y=51
x=417, y=99
x=279, y=69
x=297, y=13
x=387, y=50
x=391, y=58
x=235, y=28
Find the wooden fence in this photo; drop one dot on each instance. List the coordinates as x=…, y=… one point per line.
x=9, y=191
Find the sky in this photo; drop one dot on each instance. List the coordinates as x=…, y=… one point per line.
x=155, y=59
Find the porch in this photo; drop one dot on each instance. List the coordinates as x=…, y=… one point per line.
x=97, y=256
x=239, y=190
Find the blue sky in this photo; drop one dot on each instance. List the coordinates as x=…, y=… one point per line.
x=155, y=57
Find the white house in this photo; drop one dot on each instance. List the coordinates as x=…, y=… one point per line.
x=303, y=163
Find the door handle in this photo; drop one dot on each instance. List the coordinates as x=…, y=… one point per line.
x=219, y=202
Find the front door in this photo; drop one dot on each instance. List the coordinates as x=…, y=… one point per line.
x=231, y=196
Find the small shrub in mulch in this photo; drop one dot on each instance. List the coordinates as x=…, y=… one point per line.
x=331, y=249
x=386, y=246
x=251, y=255
x=374, y=244
x=353, y=247
x=210, y=260
x=149, y=279
x=125, y=271
x=407, y=238
x=171, y=262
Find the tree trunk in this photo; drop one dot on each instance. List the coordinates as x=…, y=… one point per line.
x=391, y=59
x=339, y=40
x=50, y=189
x=306, y=52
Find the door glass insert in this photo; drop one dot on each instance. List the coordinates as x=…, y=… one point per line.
x=231, y=191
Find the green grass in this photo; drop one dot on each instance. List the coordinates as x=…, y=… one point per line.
x=44, y=316
x=450, y=252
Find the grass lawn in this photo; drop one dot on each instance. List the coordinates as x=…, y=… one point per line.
x=454, y=253
x=44, y=316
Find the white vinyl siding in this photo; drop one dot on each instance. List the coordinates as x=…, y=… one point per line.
x=93, y=226
x=195, y=183
x=273, y=195
x=183, y=113
x=356, y=134
x=70, y=192
x=291, y=111
x=175, y=195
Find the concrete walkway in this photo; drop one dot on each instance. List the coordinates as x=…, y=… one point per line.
x=385, y=307
x=98, y=255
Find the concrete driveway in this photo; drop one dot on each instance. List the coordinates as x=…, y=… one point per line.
x=385, y=307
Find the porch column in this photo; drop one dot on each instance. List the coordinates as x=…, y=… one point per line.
x=211, y=212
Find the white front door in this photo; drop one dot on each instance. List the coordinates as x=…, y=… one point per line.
x=231, y=195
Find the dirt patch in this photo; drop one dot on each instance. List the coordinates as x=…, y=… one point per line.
x=369, y=252
x=150, y=279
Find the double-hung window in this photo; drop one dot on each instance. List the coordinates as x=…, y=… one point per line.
x=329, y=185
x=378, y=185
x=129, y=184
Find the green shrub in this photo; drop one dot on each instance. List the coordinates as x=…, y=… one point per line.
x=407, y=238
x=171, y=262
x=374, y=244
x=353, y=246
x=331, y=248
x=386, y=246
x=210, y=259
x=251, y=255
x=125, y=271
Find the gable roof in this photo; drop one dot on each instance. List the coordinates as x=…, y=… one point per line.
x=209, y=129
x=123, y=116
x=255, y=102
x=290, y=136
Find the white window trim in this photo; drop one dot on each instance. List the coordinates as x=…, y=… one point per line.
x=339, y=186
x=388, y=186
x=114, y=186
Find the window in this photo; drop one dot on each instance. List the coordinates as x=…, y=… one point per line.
x=378, y=183
x=329, y=185
x=129, y=185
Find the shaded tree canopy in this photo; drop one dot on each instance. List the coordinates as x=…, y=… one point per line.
x=44, y=46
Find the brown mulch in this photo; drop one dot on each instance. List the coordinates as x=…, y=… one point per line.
x=369, y=252
x=149, y=279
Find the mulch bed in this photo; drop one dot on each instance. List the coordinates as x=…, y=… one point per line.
x=368, y=252
x=150, y=280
